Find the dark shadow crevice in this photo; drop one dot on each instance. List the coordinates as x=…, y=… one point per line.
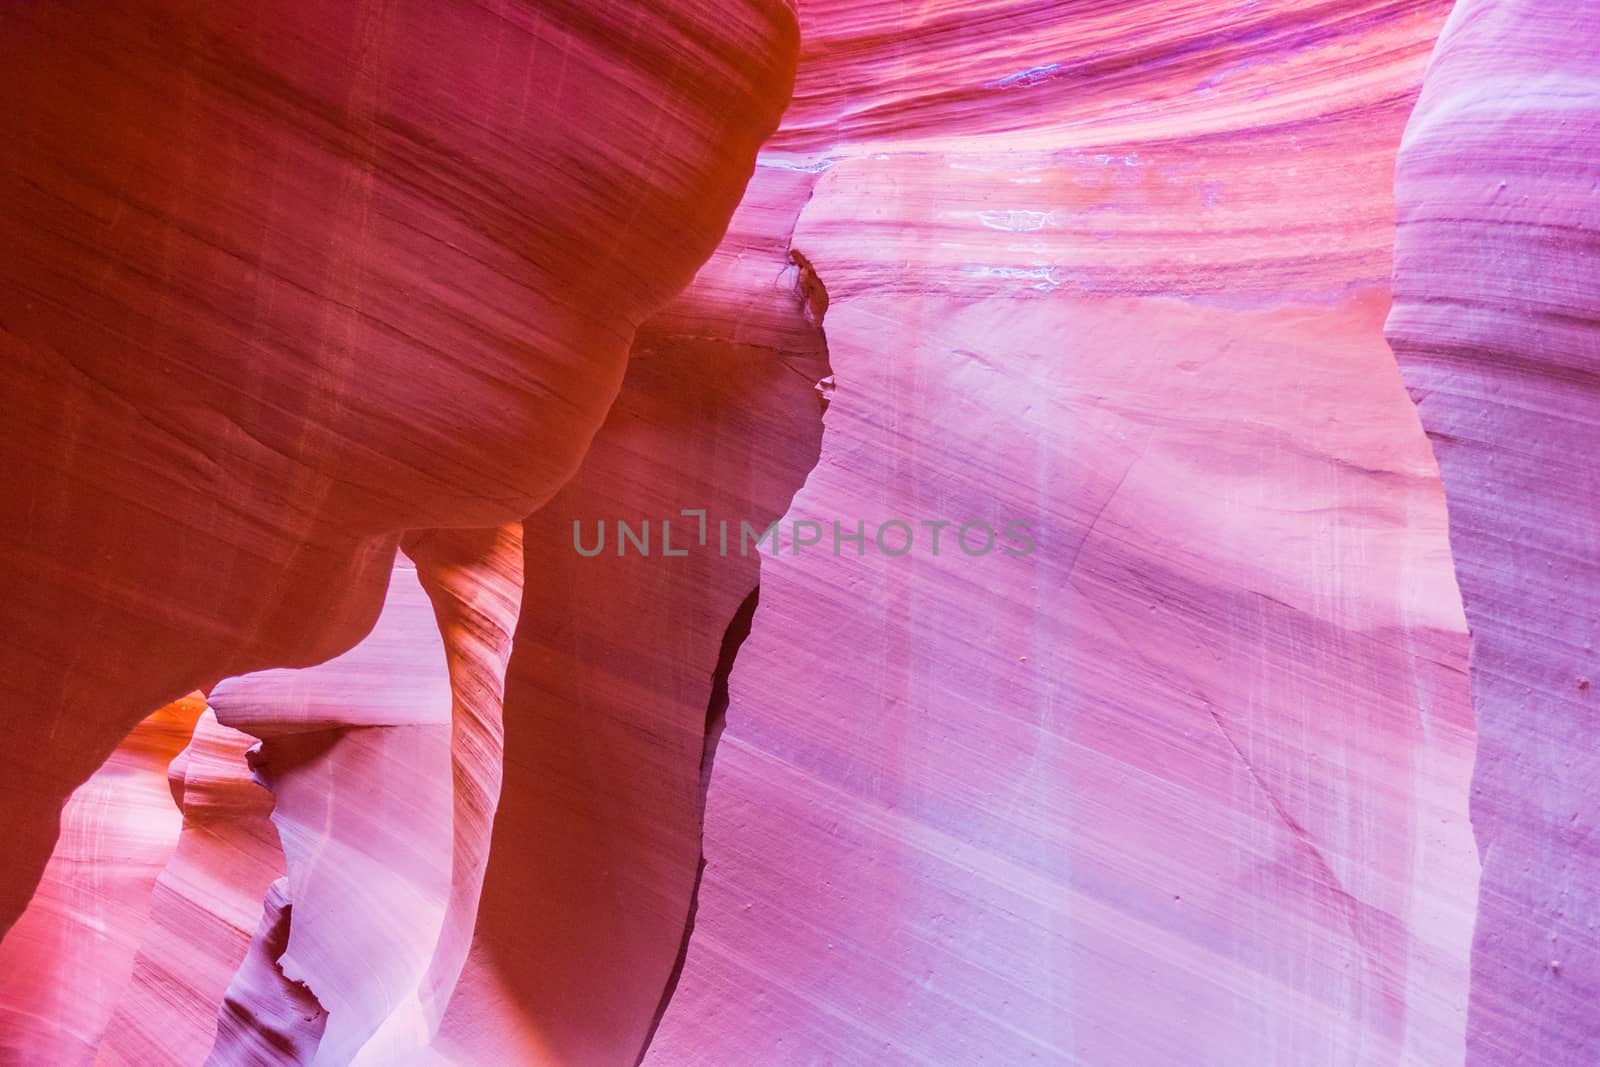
x=716, y=719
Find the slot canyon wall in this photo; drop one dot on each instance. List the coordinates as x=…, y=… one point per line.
x=335, y=335
x=1496, y=324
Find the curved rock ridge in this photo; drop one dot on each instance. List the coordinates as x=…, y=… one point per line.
x=597, y=837
x=1018, y=76
x=1496, y=324
x=720, y=407
x=65, y=963
x=384, y=764
x=1117, y=709
x=206, y=905
x=375, y=720
x=281, y=285
x=362, y=806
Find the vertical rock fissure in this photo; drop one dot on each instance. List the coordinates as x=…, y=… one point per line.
x=812, y=297
x=716, y=718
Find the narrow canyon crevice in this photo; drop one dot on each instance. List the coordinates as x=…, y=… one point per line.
x=811, y=296
x=716, y=720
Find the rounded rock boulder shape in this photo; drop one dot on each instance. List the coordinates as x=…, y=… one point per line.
x=280, y=283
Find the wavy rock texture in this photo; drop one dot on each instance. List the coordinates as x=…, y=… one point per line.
x=1184, y=782
x=1496, y=323
x=206, y=905
x=574, y=944
x=597, y=837
x=277, y=286
x=1188, y=782
x=65, y=963
x=357, y=756
x=384, y=766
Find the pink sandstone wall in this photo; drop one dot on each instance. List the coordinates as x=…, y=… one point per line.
x=1496, y=324
x=323, y=326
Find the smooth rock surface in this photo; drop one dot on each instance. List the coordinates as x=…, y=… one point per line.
x=597, y=836
x=1107, y=698
x=1496, y=324
x=65, y=963
x=278, y=285
x=1186, y=782
x=384, y=764
x=205, y=907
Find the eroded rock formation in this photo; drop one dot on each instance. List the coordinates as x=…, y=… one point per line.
x=1496, y=324
x=1106, y=700
x=280, y=285
x=1188, y=782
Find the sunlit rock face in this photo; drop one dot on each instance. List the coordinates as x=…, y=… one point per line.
x=1496, y=324
x=384, y=764
x=1104, y=697
x=1186, y=783
x=66, y=964
x=206, y=905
